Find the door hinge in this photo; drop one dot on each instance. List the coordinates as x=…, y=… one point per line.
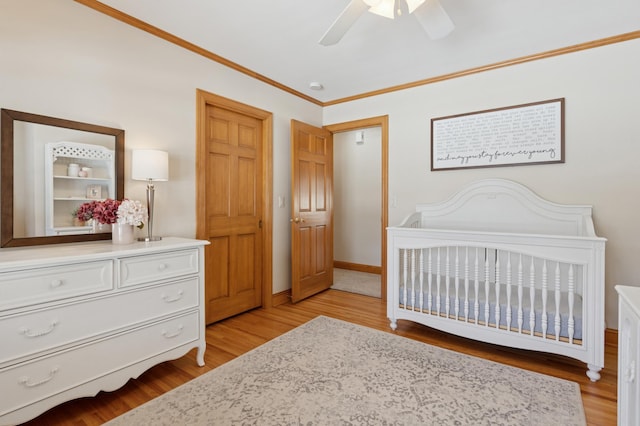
x=260, y=224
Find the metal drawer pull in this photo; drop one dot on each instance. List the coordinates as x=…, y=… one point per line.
x=55, y=283
x=172, y=299
x=168, y=335
x=29, y=333
x=162, y=266
x=24, y=380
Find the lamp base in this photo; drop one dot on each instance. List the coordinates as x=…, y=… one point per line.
x=149, y=239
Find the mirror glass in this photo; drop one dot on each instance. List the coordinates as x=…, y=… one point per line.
x=50, y=166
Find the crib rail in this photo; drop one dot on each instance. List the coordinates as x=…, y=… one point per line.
x=494, y=288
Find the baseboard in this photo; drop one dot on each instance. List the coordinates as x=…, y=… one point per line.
x=357, y=267
x=611, y=337
x=281, y=298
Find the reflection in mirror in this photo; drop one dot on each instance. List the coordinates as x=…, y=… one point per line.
x=73, y=172
x=50, y=167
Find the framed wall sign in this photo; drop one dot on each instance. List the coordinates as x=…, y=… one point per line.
x=516, y=135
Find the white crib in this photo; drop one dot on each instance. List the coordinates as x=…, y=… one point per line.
x=499, y=264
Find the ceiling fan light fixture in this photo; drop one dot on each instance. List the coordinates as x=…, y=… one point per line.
x=384, y=8
x=413, y=5
x=429, y=13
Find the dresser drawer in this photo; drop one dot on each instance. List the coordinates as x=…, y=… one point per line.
x=29, y=382
x=144, y=269
x=28, y=287
x=29, y=333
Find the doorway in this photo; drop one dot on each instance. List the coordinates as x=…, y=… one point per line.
x=357, y=211
x=354, y=127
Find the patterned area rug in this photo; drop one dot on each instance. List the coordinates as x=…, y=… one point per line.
x=330, y=372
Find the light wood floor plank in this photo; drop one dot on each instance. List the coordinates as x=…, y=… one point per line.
x=235, y=336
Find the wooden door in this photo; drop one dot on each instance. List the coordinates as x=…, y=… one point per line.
x=233, y=185
x=311, y=210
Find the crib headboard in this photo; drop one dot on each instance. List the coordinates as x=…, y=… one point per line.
x=500, y=205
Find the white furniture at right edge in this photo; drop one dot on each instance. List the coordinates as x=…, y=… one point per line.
x=628, y=355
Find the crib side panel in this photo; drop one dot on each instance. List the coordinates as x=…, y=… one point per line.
x=532, y=292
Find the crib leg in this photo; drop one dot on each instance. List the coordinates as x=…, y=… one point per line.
x=594, y=372
x=394, y=323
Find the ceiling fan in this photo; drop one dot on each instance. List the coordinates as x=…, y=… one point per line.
x=429, y=13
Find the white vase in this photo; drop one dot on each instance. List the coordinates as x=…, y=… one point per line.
x=121, y=233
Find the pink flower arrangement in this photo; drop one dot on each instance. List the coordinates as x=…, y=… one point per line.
x=102, y=211
x=85, y=211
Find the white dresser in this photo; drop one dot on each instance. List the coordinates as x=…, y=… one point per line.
x=628, y=355
x=76, y=319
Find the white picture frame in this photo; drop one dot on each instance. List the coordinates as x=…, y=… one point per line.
x=94, y=192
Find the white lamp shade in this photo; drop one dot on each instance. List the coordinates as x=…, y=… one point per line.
x=149, y=164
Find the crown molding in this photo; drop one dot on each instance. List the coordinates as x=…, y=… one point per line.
x=144, y=26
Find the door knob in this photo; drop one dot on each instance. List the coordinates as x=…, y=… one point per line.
x=296, y=220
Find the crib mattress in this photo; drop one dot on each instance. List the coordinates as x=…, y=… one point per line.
x=482, y=299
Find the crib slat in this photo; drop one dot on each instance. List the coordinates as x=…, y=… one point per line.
x=509, y=290
x=438, y=280
x=497, y=289
x=571, y=286
x=421, y=269
x=532, y=298
x=447, y=280
x=413, y=280
x=466, y=284
x=557, y=323
x=520, y=284
x=456, y=301
x=486, y=288
x=544, y=299
x=405, y=281
x=429, y=282
x=476, y=303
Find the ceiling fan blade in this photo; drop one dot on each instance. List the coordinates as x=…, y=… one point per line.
x=342, y=24
x=434, y=19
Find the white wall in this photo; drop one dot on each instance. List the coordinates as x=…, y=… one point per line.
x=61, y=59
x=602, y=133
x=357, y=197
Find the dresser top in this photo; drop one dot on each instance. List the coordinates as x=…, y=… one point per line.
x=18, y=257
x=631, y=295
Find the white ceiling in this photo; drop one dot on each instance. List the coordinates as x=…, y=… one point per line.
x=279, y=38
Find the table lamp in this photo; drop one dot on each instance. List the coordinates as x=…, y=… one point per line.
x=153, y=166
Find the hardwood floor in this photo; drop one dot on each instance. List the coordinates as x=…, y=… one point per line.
x=235, y=336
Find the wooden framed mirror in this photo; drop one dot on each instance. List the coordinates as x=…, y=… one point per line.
x=43, y=181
